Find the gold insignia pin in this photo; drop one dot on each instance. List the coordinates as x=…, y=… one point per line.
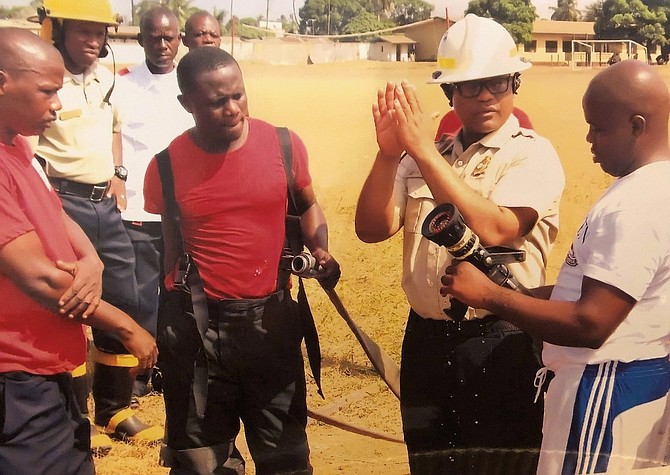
x=481, y=166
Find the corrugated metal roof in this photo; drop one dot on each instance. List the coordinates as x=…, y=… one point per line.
x=396, y=39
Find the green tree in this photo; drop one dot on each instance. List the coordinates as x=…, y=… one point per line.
x=220, y=15
x=21, y=12
x=632, y=19
x=247, y=20
x=517, y=16
x=181, y=8
x=320, y=17
x=410, y=11
x=288, y=25
x=9, y=12
x=593, y=11
x=380, y=8
x=365, y=22
x=246, y=28
x=565, y=10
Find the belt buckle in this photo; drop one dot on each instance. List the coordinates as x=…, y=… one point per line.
x=182, y=270
x=98, y=193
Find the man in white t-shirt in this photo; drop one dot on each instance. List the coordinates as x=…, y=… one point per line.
x=152, y=116
x=606, y=324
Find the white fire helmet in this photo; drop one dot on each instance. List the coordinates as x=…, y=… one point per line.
x=476, y=48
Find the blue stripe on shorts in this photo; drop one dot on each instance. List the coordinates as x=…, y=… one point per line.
x=605, y=391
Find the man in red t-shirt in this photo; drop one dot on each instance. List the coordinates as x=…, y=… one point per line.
x=50, y=281
x=231, y=191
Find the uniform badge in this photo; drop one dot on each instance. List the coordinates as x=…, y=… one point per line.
x=481, y=166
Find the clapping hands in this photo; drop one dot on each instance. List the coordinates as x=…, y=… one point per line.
x=399, y=121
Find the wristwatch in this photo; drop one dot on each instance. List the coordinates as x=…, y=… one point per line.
x=121, y=172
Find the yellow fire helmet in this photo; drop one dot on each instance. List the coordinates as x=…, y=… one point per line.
x=98, y=11
x=476, y=48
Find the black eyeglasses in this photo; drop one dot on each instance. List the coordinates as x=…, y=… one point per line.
x=470, y=89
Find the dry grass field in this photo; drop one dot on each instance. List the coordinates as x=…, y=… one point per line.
x=329, y=106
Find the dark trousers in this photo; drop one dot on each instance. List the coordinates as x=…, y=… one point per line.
x=254, y=373
x=147, y=241
x=41, y=428
x=102, y=223
x=467, y=398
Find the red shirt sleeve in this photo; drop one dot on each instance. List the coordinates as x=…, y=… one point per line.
x=14, y=221
x=153, y=191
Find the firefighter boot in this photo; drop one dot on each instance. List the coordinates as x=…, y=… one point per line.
x=101, y=444
x=112, y=393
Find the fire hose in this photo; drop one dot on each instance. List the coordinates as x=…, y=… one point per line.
x=387, y=368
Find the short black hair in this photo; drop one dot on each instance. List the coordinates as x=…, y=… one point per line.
x=147, y=19
x=198, y=61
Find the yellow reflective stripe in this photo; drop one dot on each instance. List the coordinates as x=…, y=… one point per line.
x=149, y=435
x=108, y=359
x=118, y=418
x=79, y=371
x=446, y=63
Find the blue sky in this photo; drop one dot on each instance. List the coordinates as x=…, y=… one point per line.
x=254, y=8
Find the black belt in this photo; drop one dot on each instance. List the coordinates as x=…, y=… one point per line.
x=474, y=327
x=242, y=307
x=94, y=193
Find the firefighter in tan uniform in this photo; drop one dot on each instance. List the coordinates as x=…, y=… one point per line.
x=81, y=154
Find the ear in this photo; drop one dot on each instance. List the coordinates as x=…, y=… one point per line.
x=4, y=79
x=639, y=125
x=104, y=51
x=516, y=82
x=448, y=90
x=139, y=39
x=184, y=103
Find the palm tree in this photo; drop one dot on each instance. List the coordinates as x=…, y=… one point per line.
x=181, y=8
x=220, y=15
x=566, y=10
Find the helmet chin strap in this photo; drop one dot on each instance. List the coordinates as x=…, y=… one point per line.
x=111, y=89
x=516, y=82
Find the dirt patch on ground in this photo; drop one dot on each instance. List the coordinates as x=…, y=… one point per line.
x=329, y=106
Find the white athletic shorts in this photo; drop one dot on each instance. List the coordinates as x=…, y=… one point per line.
x=611, y=417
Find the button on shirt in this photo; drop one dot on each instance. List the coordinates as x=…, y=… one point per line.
x=78, y=145
x=152, y=117
x=513, y=167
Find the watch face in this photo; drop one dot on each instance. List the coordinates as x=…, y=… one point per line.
x=121, y=172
